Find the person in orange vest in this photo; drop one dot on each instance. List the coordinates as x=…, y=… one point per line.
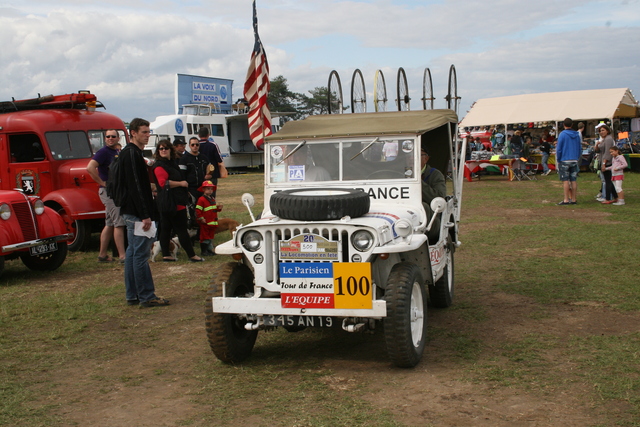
x=207, y=217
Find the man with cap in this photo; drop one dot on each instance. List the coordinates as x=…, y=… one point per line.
x=207, y=217
x=181, y=147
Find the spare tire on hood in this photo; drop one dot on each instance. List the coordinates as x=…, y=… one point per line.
x=319, y=204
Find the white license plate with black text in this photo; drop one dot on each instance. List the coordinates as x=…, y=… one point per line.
x=43, y=249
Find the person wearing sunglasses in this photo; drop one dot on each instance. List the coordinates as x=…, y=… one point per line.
x=171, y=184
x=98, y=169
x=195, y=167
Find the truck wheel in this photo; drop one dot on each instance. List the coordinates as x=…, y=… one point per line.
x=46, y=262
x=319, y=204
x=405, y=327
x=81, y=232
x=441, y=293
x=228, y=339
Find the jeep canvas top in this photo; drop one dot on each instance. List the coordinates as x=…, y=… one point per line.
x=345, y=239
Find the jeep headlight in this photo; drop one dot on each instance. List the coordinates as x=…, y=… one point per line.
x=38, y=207
x=5, y=211
x=362, y=240
x=252, y=240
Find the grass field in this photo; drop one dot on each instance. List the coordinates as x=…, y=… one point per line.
x=544, y=331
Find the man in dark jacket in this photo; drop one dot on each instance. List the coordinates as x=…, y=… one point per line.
x=194, y=165
x=212, y=152
x=138, y=211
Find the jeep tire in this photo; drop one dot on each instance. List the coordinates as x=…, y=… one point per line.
x=441, y=293
x=405, y=327
x=228, y=339
x=319, y=204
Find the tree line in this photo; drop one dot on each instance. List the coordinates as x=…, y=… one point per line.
x=299, y=105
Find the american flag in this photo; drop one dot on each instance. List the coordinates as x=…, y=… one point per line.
x=256, y=89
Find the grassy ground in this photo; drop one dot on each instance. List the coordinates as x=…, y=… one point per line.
x=546, y=317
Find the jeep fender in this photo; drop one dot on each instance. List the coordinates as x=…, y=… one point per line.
x=78, y=203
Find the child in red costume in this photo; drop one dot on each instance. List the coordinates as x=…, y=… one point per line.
x=207, y=217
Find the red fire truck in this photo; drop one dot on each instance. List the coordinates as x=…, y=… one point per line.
x=45, y=146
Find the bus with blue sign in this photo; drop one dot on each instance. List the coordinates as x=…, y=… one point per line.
x=207, y=102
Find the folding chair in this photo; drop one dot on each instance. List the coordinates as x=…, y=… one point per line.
x=524, y=169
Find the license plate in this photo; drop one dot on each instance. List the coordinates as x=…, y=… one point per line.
x=309, y=247
x=306, y=321
x=43, y=249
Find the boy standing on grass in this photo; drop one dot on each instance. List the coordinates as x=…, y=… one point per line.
x=568, y=152
x=618, y=165
x=207, y=217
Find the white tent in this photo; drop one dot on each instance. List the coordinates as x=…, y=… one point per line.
x=553, y=107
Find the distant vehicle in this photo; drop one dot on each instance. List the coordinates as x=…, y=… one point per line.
x=45, y=146
x=31, y=231
x=229, y=131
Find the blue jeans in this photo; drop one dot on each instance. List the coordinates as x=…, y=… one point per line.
x=137, y=273
x=545, y=161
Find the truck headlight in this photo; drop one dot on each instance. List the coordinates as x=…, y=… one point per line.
x=5, y=211
x=252, y=240
x=362, y=240
x=38, y=207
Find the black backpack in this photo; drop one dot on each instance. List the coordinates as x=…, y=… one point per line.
x=116, y=183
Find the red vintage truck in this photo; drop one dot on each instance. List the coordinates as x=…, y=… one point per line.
x=45, y=146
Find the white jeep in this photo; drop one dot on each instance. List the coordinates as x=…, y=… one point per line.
x=344, y=239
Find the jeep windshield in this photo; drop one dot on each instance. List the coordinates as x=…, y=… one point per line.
x=350, y=159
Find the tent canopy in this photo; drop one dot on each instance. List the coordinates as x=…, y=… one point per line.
x=553, y=106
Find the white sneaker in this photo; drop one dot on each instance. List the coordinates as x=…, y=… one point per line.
x=618, y=203
x=600, y=199
x=546, y=173
x=599, y=196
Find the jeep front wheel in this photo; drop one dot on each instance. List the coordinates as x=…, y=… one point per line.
x=319, y=204
x=228, y=339
x=405, y=327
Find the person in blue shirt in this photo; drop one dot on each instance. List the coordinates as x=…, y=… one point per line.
x=568, y=154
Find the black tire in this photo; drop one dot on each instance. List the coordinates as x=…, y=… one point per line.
x=358, y=93
x=81, y=232
x=1, y=265
x=405, y=327
x=403, y=99
x=46, y=262
x=228, y=339
x=319, y=204
x=441, y=293
x=334, y=94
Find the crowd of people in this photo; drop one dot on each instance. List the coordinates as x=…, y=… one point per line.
x=180, y=198
x=607, y=160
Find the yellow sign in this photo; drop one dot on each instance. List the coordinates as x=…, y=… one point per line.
x=352, y=285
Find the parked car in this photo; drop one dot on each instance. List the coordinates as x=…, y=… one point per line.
x=344, y=239
x=45, y=146
x=31, y=231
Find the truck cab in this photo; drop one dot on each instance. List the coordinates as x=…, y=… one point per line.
x=45, y=146
x=345, y=238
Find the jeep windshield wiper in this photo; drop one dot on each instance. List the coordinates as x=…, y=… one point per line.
x=366, y=148
x=297, y=147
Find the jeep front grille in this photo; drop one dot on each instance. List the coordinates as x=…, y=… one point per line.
x=273, y=236
x=26, y=219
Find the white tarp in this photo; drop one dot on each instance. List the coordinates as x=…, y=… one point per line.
x=552, y=106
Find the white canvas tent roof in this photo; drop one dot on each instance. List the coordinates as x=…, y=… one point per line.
x=553, y=106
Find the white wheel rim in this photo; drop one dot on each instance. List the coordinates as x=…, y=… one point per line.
x=417, y=314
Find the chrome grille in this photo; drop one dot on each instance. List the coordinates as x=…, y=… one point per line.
x=26, y=220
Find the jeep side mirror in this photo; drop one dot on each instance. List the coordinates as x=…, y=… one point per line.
x=248, y=200
x=438, y=204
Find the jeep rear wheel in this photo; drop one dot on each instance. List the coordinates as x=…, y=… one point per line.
x=405, y=327
x=441, y=293
x=228, y=339
x=46, y=262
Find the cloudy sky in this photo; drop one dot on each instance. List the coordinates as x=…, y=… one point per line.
x=129, y=51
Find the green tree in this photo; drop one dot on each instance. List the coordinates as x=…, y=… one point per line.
x=316, y=103
x=282, y=100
